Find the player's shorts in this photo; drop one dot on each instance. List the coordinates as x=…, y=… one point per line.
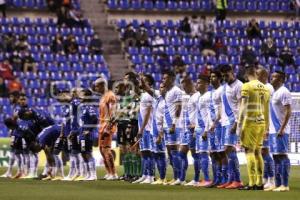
x=279, y=145
x=188, y=139
x=16, y=144
x=266, y=143
x=158, y=148
x=201, y=144
x=122, y=136
x=59, y=145
x=133, y=129
x=252, y=136
x=174, y=138
x=86, y=143
x=230, y=139
x=146, y=141
x=49, y=135
x=215, y=139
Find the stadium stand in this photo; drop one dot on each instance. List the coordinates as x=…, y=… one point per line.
x=205, y=5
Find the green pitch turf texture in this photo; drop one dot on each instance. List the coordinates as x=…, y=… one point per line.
x=119, y=190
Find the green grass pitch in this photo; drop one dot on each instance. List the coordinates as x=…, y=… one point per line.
x=117, y=190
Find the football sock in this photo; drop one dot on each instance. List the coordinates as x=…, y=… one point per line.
x=224, y=173
x=162, y=165
x=11, y=162
x=197, y=166
x=126, y=164
x=138, y=166
x=259, y=168
x=285, y=166
x=183, y=166
x=176, y=163
x=251, y=168
x=235, y=167
x=92, y=166
x=214, y=169
x=58, y=166
x=19, y=162
x=34, y=159
x=278, y=171
x=72, y=166
x=204, y=165
x=26, y=163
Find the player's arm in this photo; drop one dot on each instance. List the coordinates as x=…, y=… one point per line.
x=145, y=121
x=177, y=111
x=266, y=112
x=287, y=115
x=159, y=122
x=243, y=106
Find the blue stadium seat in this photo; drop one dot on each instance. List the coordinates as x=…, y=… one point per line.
x=183, y=5
x=112, y=4
x=136, y=4
x=172, y=5
x=124, y=4
x=160, y=5
x=148, y=5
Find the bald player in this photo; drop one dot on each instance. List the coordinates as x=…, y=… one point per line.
x=269, y=183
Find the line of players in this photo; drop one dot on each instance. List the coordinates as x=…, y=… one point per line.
x=204, y=121
x=33, y=130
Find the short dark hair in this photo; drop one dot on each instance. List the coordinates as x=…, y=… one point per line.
x=169, y=73
x=15, y=93
x=217, y=73
x=150, y=79
x=87, y=92
x=225, y=68
x=204, y=78
x=10, y=123
x=22, y=95
x=282, y=75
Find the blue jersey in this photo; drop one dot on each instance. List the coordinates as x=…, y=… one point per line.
x=67, y=121
x=43, y=118
x=88, y=119
x=26, y=129
x=74, y=114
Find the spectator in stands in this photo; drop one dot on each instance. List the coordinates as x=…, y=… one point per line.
x=6, y=70
x=22, y=44
x=57, y=45
x=129, y=36
x=221, y=6
x=268, y=48
x=295, y=5
x=95, y=46
x=71, y=47
x=75, y=18
x=52, y=5
x=3, y=89
x=248, y=56
x=142, y=37
x=195, y=26
x=158, y=45
x=164, y=62
x=180, y=68
x=206, y=70
x=16, y=61
x=8, y=42
x=29, y=63
x=219, y=47
x=3, y=7
x=206, y=45
x=178, y=62
x=203, y=25
x=286, y=57
x=14, y=86
x=185, y=27
x=253, y=30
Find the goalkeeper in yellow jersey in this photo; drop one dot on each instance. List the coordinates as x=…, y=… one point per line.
x=253, y=123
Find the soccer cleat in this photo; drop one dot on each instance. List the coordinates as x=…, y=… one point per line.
x=157, y=182
x=270, y=187
x=235, y=185
x=91, y=178
x=148, y=180
x=177, y=182
x=75, y=177
x=18, y=175
x=67, y=178
x=171, y=181
x=192, y=183
x=258, y=187
x=106, y=176
x=139, y=180
x=247, y=187
x=204, y=183
x=57, y=178
x=281, y=188
x=112, y=177
x=47, y=178
x=222, y=186
x=6, y=175
x=79, y=178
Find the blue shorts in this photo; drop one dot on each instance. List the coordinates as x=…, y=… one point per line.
x=188, y=139
x=266, y=142
x=230, y=138
x=58, y=145
x=86, y=143
x=49, y=135
x=201, y=145
x=17, y=144
x=215, y=140
x=158, y=148
x=74, y=142
x=279, y=145
x=146, y=141
x=174, y=138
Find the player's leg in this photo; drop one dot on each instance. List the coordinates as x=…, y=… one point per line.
x=183, y=150
x=110, y=161
x=121, y=140
x=203, y=148
x=12, y=159
x=33, y=165
x=269, y=171
x=159, y=150
x=173, y=147
x=224, y=160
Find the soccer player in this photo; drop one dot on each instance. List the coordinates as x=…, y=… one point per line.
x=280, y=129
x=13, y=98
x=107, y=109
x=172, y=126
x=215, y=131
x=88, y=123
x=253, y=123
x=202, y=128
x=269, y=171
x=159, y=145
x=230, y=98
x=186, y=137
x=146, y=140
